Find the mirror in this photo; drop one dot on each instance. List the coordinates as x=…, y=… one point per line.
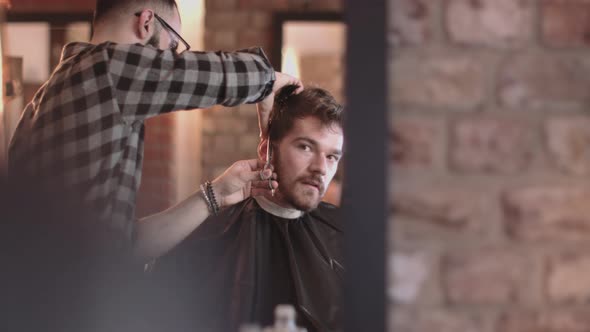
x=318, y=61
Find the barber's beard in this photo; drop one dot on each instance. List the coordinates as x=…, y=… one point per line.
x=292, y=192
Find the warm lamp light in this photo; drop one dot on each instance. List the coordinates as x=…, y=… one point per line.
x=290, y=62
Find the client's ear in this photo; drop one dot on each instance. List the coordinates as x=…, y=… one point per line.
x=262, y=149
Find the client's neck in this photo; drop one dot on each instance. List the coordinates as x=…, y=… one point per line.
x=274, y=206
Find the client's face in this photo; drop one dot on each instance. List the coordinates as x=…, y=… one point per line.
x=305, y=161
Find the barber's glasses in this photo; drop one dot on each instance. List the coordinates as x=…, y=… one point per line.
x=178, y=44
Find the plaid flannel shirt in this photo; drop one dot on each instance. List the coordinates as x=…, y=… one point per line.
x=84, y=127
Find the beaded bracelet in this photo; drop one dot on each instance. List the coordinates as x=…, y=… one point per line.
x=212, y=197
x=207, y=200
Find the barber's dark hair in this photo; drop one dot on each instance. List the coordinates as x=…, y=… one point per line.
x=105, y=7
x=312, y=101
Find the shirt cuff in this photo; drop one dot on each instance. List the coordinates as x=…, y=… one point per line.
x=267, y=89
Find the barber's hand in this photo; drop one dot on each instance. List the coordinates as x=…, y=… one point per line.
x=265, y=106
x=282, y=79
x=241, y=180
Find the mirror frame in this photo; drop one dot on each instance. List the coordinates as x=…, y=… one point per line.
x=365, y=209
x=279, y=20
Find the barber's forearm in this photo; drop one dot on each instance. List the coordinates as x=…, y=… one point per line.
x=158, y=233
x=161, y=82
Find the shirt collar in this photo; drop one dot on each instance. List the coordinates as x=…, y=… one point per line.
x=72, y=49
x=277, y=210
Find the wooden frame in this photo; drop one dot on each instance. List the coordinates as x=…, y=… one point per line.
x=365, y=197
x=280, y=18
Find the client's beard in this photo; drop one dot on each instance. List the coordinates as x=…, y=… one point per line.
x=288, y=196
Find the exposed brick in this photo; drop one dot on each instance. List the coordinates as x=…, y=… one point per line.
x=208, y=125
x=155, y=195
x=490, y=22
x=568, y=139
x=292, y=5
x=154, y=169
x=225, y=40
x=327, y=5
x=568, y=278
x=556, y=320
x=417, y=142
x=222, y=151
x=549, y=213
x=54, y=6
x=224, y=20
x=430, y=320
x=159, y=152
x=159, y=132
x=545, y=81
x=264, y=4
x=160, y=187
x=409, y=275
x=253, y=37
x=494, y=276
x=248, y=145
x=208, y=174
x=260, y=20
x=226, y=124
x=224, y=144
x=319, y=5
x=565, y=23
x=246, y=111
x=491, y=145
x=447, y=206
x=161, y=121
x=157, y=166
x=409, y=21
x=220, y=5
x=217, y=171
x=438, y=80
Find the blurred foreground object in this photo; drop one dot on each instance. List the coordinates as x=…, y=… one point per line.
x=284, y=320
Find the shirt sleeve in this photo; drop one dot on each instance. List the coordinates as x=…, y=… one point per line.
x=148, y=81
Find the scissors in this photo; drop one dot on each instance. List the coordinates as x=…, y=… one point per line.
x=287, y=91
x=267, y=165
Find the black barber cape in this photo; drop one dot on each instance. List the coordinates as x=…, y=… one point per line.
x=237, y=266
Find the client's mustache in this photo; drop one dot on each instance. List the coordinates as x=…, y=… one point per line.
x=314, y=180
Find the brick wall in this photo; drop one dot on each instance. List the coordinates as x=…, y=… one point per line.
x=172, y=158
x=490, y=216
x=158, y=182
x=50, y=6
x=232, y=134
